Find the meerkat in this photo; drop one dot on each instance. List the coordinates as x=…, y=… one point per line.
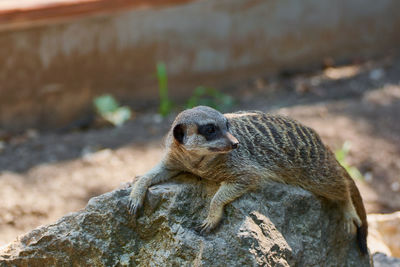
x=240, y=150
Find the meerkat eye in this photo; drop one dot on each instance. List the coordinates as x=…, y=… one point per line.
x=210, y=129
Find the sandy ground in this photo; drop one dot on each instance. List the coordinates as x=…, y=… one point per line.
x=44, y=176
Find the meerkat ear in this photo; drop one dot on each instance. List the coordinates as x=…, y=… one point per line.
x=179, y=133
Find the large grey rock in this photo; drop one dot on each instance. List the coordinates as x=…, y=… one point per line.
x=278, y=225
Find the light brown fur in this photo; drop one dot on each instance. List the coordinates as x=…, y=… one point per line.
x=271, y=147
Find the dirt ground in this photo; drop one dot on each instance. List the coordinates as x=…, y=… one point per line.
x=43, y=176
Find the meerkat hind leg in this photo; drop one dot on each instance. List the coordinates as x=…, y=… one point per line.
x=350, y=217
x=226, y=193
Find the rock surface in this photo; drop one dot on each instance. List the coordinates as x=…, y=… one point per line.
x=278, y=225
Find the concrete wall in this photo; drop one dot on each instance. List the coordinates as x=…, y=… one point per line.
x=49, y=73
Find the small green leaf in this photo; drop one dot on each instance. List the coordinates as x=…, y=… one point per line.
x=119, y=116
x=105, y=104
x=341, y=157
x=109, y=109
x=165, y=104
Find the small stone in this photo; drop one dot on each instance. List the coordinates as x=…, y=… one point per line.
x=395, y=186
x=382, y=260
x=376, y=74
x=157, y=118
x=368, y=177
x=32, y=133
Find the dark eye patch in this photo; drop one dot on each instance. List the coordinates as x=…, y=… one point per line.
x=209, y=131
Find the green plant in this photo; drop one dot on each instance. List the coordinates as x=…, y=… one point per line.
x=211, y=97
x=205, y=96
x=341, y=156
x=165, y=103
x=108, y=108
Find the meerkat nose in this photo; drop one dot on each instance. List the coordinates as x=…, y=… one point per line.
x=234, y=142
x=235, y=145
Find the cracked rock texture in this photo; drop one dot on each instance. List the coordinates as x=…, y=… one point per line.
x=278, y=225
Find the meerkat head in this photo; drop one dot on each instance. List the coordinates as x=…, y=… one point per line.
x=203, y=130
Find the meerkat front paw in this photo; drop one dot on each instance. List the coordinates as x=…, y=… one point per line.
x=136, y=198
x=134, y=205
x=207, y=226
x=211, y=222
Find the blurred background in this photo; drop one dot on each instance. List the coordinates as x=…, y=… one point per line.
x=88, y=89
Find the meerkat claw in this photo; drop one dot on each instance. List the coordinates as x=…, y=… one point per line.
x=205, y=227
x=134, y=207
x=199, y=229
x=349, y=226
x=351, y=221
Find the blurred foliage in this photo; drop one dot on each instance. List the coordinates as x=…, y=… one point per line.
x=341, y=156
x=165, y=104
x=202, y=95
x=211, y=97
x=110, y=110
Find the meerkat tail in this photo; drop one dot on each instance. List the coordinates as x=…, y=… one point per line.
x=362, y=230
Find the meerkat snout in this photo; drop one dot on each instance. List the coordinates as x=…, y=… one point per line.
x=233, y=141
x=217, y=139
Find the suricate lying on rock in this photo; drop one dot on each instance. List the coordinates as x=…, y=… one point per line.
x=241, y=149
